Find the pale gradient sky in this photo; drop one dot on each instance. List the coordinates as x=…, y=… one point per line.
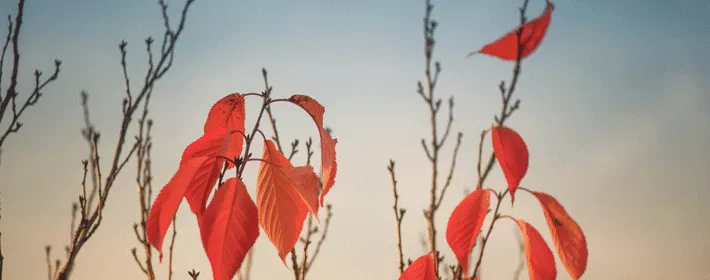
x=615, y=112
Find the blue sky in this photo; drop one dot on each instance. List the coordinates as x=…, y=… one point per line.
x=615, y=110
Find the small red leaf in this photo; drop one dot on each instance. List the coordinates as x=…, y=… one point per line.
x=566, y=234
x=512, y=154
x=465, y=224
x=229, y=113
x=229, y=228
x=284, y=196
x=327, y=143
x=421, y=269
x=506, y=47
x=540, y=261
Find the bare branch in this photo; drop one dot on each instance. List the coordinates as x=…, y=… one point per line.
x=398, y=214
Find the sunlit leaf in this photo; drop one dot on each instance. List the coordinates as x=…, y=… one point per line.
x=539, y=258
x=533, y=32
x=421, y=269
x=465, y=224
x=512, y=155
x=229, y=227
x=284, y=196
x=229, y=113
x=567, y=236
x=328, y=163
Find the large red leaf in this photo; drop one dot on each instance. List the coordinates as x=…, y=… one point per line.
x=567, y=236
x=284, y=194
x=421, y=269
x=229, y=113
x=506, y=47
x=512, y=154
x=196, y=173
x=540, y=261
x=229, y=227
x=465, y=224
x=327, y=143
x=168, y=200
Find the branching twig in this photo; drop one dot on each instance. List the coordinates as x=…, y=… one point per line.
x=10, y=97
x=398, y=215
x=433, y=148
x=92, y=216
x=506, y=110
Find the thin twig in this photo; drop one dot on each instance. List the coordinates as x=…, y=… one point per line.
x=170, y=249
x=398, y=214
x=92, y=218
x=323, y=235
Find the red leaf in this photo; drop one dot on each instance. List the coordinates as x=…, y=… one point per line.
x=567, y=236
x=196, y=174
x=327, y=143
x=229, y=228
x=465, y=224
x=229, y=113
x=540, y=261
x=421, y=269
x=167, y=202
x=284, y=194
x=512, y=154
x=213, y=145
x=506, y=47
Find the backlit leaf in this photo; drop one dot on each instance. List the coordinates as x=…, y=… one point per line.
x=539, y=258
x=566, y=234
x=212, y=145
x=506, y=47
x=229, y=113
x=421, y=269
x=229, y=227
x=465, y=224
x=284, y=195
x=168, y=200
x=327, y=143
x=512, y=155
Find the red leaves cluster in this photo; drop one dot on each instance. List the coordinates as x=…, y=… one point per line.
x=467, y=218
x=229, y=225
x=511, y=152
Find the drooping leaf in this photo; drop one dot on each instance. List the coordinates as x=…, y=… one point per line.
x=229, y=227
x=284, y=195
x=229, y=113
x=213, y=145
x=421, y=269
x=327, y=143
x=465, y=224
x=539, y=258
x=512, y=154
x=168, y=200
x=506, y=47
x=566, y=234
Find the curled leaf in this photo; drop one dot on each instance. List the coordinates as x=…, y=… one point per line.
x=284, y=196
x=539, y=258
x=327, y=143
x=512, y=154
x=229, y=227
x=465, y=224
x=566, y=234
x=506, y=47
x=421, y=269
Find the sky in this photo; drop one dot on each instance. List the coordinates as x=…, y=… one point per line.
x=615, y=110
